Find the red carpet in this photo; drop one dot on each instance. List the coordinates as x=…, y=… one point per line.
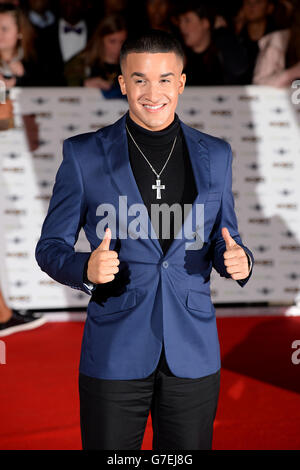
x=259, y=406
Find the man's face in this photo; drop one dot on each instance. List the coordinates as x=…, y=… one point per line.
x=257, y=10
x=193, y=29
x=72, y=11
x=152, y=83
x=157, y=11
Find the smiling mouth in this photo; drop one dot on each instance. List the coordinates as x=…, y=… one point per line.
x=155, y=108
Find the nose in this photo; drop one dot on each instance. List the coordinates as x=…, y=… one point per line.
x=152, y=94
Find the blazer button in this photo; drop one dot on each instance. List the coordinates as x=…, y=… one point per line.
x=165, y=264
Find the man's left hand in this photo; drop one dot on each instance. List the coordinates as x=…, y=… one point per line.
x=235, y=258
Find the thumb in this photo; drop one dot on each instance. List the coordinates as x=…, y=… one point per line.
x=229, y=241
x=104, y=245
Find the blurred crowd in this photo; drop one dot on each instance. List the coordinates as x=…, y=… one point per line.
x=78, y=42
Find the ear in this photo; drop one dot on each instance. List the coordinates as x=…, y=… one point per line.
x=206, y=23
x=182, y=83
x=122, y=84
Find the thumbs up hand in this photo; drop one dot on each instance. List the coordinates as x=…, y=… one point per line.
x=103, y=263
x=235, y=258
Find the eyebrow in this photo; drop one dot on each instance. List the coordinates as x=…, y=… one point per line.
x=139, y=74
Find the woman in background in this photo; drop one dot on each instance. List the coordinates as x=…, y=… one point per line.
x=18, y=64
x=278, y=62
x=97, y=66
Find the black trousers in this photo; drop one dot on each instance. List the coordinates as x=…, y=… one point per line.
x=113, y=413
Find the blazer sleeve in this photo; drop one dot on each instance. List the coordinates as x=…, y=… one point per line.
x=227, y=218
x=54, y=251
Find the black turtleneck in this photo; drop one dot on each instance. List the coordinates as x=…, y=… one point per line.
x=177, y=176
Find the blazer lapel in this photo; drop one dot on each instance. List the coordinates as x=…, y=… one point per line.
x=199, y=157
x=116, y=149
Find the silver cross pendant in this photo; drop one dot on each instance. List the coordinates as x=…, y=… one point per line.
x=158, y=188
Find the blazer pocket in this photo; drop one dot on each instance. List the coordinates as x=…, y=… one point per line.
x=213, y=197
x=200, y=302
x=119, y=304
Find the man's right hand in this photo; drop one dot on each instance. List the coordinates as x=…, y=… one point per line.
x=103, y=263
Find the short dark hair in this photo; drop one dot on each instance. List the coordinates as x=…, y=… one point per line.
x=203, y=10
x=152, y=41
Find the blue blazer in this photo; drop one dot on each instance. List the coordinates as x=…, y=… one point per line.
x=154, y=298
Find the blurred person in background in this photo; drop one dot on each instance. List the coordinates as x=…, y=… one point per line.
x=68, y=36
x=258, y=21
x=280, y=18
x=40, y=14
x=132, y=11
x=18, y=59
x=214, y=55
x=283, y=13
x=42, y=17
x=278, y=61
x=239, y=20
x=159, y=15
x=97, y=66
x=16, y=3
x=113, y=7
x=71, y=31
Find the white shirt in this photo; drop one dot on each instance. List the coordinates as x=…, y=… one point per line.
x=71, y=43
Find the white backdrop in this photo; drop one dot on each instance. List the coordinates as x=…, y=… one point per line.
x=260, y=123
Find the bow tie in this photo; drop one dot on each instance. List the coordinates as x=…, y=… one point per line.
x=69, y=29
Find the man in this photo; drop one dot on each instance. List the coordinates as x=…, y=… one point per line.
x=214, y=55
x=40, y=14
x=62, y=40
x=150, y=339
x=258, y=22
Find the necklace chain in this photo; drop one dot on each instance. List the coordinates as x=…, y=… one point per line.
x=157, y=174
